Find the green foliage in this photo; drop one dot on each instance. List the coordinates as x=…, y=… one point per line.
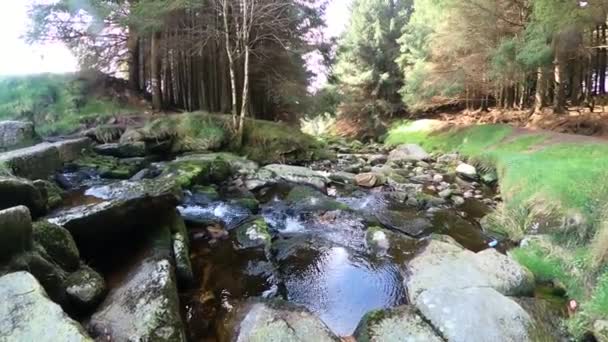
x=56, y=104
x=366, y=71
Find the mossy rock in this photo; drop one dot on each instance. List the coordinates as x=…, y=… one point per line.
x=50, y=275
x=58, y=243
x=254, y=234
x=51, y=191
x=15, y=232
x=208, y=191
x=188, y=173
x=309, y=199
x=105, y=133
x=19, y=191
x=247, y=202
x=187, y=132
x=85, y=288
x=111, y=167
x=181, y=248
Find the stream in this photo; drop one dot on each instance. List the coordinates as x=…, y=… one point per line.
x=339, y=239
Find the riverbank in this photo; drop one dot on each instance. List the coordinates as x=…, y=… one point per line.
x=554, y=192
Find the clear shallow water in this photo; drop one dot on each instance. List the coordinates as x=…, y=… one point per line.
x=321, y=259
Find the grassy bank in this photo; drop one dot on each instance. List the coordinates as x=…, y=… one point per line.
x=57, y=103
x=553, y=188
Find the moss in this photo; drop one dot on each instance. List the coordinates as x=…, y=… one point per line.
x=58, y=243
x=370, y=319
x=106, y=133
x=52, y=192
x=208, y=191
x=85, y=288
x=188, y=173
x=247, y=202
x=111, y=167
x=254, y=234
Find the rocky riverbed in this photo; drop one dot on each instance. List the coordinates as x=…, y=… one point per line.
x=120, y=242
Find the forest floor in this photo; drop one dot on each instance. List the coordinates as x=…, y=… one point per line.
x=577, y=120
x=554, y=194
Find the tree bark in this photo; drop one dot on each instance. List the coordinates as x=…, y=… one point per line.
x=559, y=99
x=541, y=88
x=155, y=65
x=133, y=50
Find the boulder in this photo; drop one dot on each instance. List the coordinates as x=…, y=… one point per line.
x=181, y=247
x=58, y=244
x=110, y=167
x=197, y=171
x=122, y=150
x=16, y=134
x=51, y=192
x=72, y=149
x=298, y=174
x=410, y=222
x=307, y=199
x=15, y=231
x=85, y=288
x=35, y=162
x=401, y=324
x=18, y=191
x=343, y=177
x=408, y=153
x=444, y=264
x=238, y=164
x=474, y=314
x=144, y=305
x=27, y=314
x=370, y=179
x=121, y=207
x=466, y=171
x=253, y=234
x=278, y=321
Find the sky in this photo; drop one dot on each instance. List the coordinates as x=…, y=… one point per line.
x=20, y=58
x=17, y=56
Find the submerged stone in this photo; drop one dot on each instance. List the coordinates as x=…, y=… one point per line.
x=401, y=324
x=278, y=321
x=27, y=314
x=253, y=234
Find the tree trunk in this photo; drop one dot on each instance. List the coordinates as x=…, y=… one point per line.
x=155, y=65
x=541, y=87
x=559, y=99
x=133, y=48
x=231, y=65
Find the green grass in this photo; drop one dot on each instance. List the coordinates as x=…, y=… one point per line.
x=559, y=186
x=55, y=103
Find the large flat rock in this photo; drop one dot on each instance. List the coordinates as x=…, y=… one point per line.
x=27, y=314
x=120, y=207
x=144, y=305
x=40, y=161
x=477, y=314
x=16, y=134
x=443, y=264
x=279, y=321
